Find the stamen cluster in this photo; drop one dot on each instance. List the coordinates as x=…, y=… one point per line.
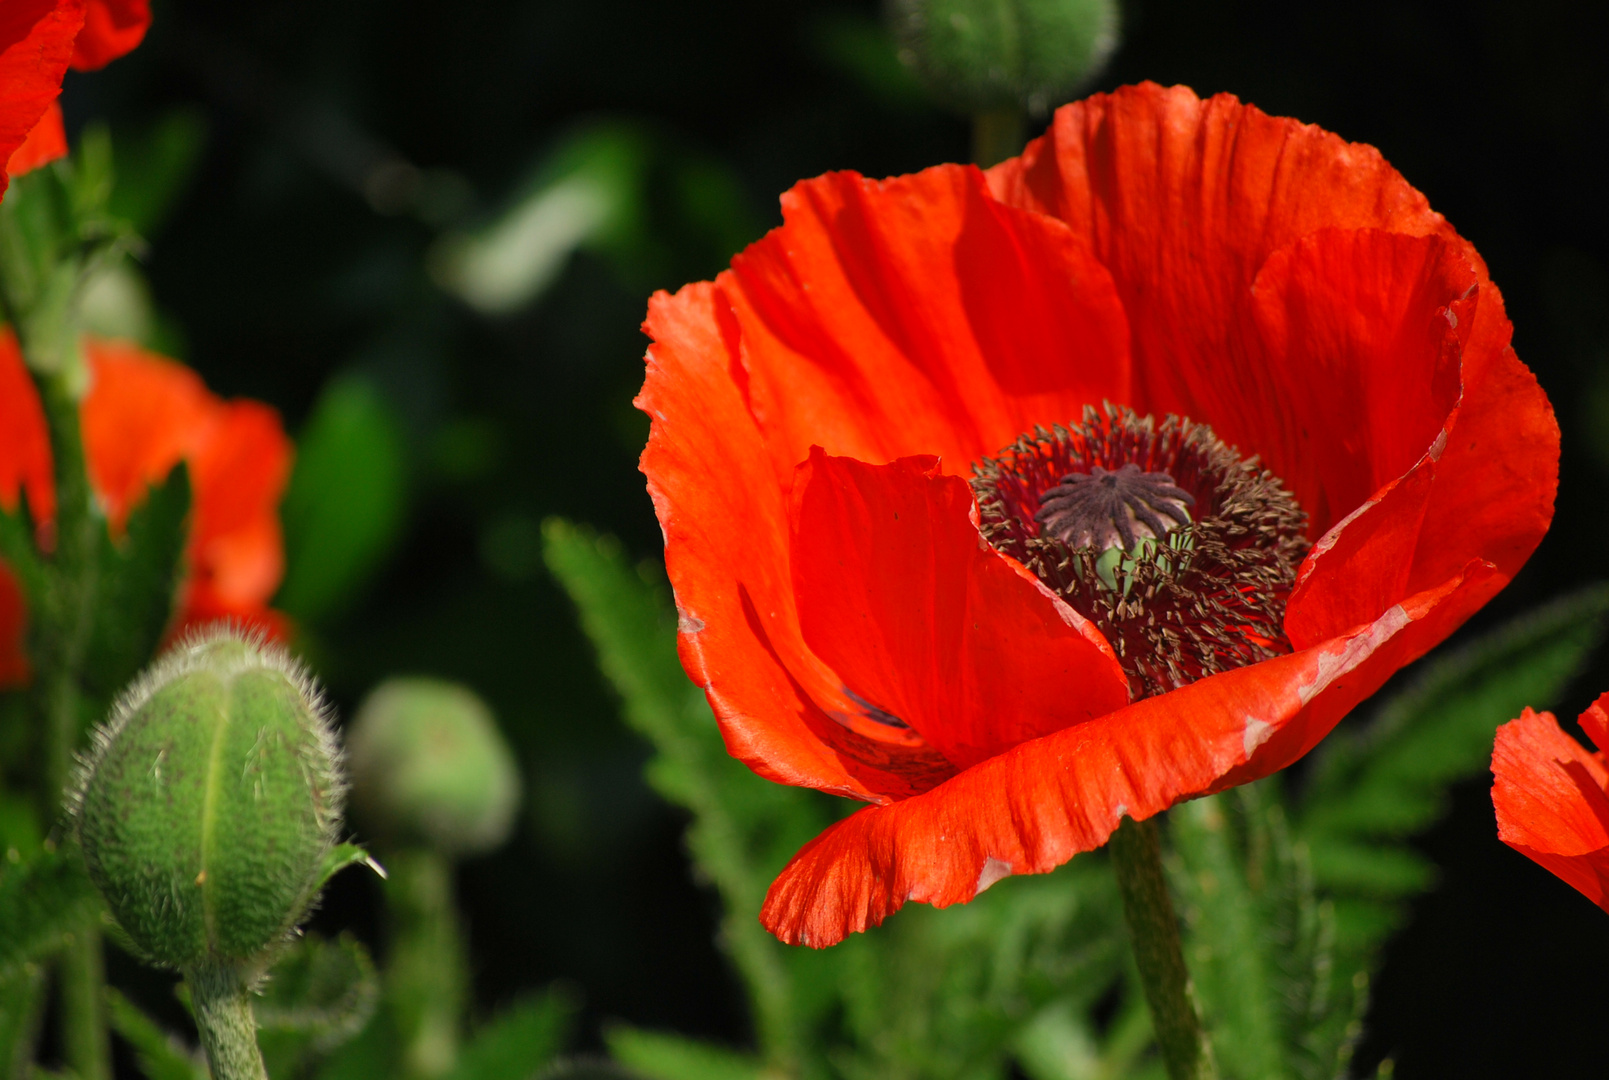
x=1209, y=598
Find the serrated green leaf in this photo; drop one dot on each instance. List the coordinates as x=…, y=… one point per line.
x=346, y=502
x=1374, y=786
x=139, y=580
x=319, y=995
x=42, y=904
x=657, y=1055
x=159, y=1054
x=519, y=1041
x=744, y=829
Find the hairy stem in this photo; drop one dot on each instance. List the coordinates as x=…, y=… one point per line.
x=1136, y=853
x=425, y=975
x=221, y=996
x=997, y=134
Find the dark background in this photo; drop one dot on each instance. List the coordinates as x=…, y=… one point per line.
x=286, y=259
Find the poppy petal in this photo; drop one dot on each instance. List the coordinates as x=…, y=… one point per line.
x=25, y=449
x=726, y=530
x=1183, y=200
x=918, y=315
x=111, y=29
x=1034, y=807
x=904, y=600
x=44, y=144
x=36, y=41
x=1549, y=795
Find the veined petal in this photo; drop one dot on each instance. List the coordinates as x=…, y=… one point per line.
x=902, y=598
x=917, y=315
x=36, y=41
x=44, y=144
x=1549, y=794
x=1034, y=807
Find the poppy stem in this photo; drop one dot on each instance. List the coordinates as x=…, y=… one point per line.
x=1136, y=851
x=997, y=134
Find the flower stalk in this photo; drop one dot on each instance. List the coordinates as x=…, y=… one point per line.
x=1154, y=930
x=221, y=996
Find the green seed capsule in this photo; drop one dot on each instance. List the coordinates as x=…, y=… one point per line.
x=210, y=801
x=429, y=765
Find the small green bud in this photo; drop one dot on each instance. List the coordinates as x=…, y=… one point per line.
x=979, y=55
x=429, y=764
x=210, y=802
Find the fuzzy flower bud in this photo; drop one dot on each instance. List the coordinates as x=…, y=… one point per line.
x=209, y=805
x=429, y=765
x=979, y=55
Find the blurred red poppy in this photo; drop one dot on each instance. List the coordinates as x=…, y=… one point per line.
x=95, y=31
x=143, y=415
x=1007, y=650
x=1551, y=795
x=36, y=43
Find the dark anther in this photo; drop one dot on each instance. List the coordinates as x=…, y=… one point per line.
x=1102, y=509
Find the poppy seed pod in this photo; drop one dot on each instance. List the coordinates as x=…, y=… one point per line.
x=211, y=800
x=428, y=764
x=986, y=54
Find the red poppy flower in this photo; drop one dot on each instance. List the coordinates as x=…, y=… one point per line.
x=96, y=31
x=143, y=415
x=854, y=555
x=1552, y=797
x=36, y=43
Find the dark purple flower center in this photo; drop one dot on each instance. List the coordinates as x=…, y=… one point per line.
x=1180, y=550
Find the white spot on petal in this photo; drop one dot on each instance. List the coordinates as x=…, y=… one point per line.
x=1257, y=733
x=993, y=870
x=1332, y=665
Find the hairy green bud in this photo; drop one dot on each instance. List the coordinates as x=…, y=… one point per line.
x=980, y=55
x=208, y=807
x=429, y=765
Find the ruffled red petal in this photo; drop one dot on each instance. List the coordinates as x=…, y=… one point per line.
x=926, y=623
x=24, y=439
x=36, y=41
x=1549, y=794
x=1034, y=807
x=111, y=29
x=44, y=144
x=917, y=315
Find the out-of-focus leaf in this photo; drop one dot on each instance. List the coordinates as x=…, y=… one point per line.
x=1374, y=786
x=744, y=829
x=519, y=1041
x=17, y=550
x=42, y=903
x=139, y=579
x=586, y=1069
x=860, y=47
x=657, y=1055
x=159, y=1054
x=320, y=994
x=1259, y=940
x=21, y=998
x=154, y=165
x=346, y=501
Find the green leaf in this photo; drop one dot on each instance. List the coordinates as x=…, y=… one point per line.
x=342, y=856
x=662, y=1056
x=18, y=553
x=744, y=829
x=320, y=995
x=159, y=1055
x=1374, y=786
x=42, y=904
x=346, y=502
x=518, y=1041
x=21, y=1005
x=153, y=166
x=139, y=581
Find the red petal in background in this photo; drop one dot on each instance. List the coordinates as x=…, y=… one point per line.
x=36, y=40
x=902, y=598
x=111, y=28
x=1549, y=794
x=44, y=144
x=24, y=440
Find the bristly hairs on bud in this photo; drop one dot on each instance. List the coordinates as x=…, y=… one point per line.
x=183, y=657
